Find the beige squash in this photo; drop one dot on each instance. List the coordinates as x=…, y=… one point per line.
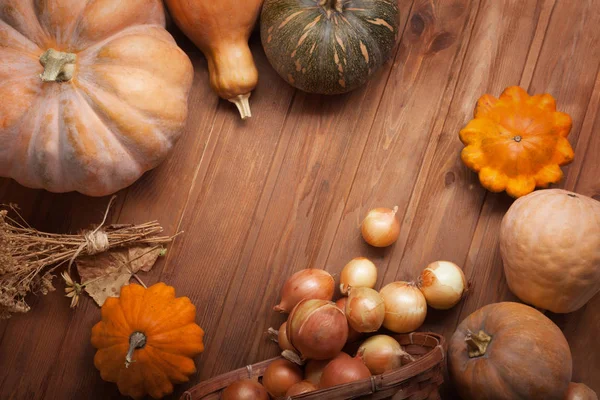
x=550, y=247
x=94, y=93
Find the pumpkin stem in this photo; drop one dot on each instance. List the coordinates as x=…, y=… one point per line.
x=332, y=5
x=137, y=340
x=58, y=66
x=243, y=105
x=477, y=343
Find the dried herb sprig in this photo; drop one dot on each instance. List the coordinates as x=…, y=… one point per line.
x=29, y=257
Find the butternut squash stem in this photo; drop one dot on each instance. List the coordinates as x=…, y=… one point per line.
x=243, y=105
x=477, y=343
x=332, y=4
x=137, y=340
x=58, y=66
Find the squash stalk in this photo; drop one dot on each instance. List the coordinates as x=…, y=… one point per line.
x=137, y=340
x=477, y=343
x=332, y=5
x=243, y=105
x=58, y=66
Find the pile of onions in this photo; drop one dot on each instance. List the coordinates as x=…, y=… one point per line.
x=353, y=335
x=381, y=228
x=365, y=309
x=443, y=284
x=314, y=370
x=317, y=329
x=382, y=353
x=343, y=369
x=359, y=272
x=245, y=389
x=300, y=388
x=280, y=337
x=280, y=376
x=405, y=307
x=309, y=283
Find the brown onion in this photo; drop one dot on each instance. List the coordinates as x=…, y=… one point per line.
x=443, y=284
x=281, y=375
x=343, y=369
x=382, y=353
x=300, y=388
x=381, y=228
x=365, y=309
x=314, y=370
x=309, y=283
x=317, y=329
x=353, y=335
x=245, y=389
x=359, y=272
x=280, y=337
x=580, y=391
x=405, y=307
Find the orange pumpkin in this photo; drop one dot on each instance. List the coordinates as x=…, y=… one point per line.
x=517, y=142
x=146, y=340
x=94, y=92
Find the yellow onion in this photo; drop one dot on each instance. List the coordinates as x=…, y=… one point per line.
x=245, y=389
x=359, y=272
x=314, y=370
x=312, y=283
x=280, y=376
x=280, y=337
x=353, y=335
x=300, y=388
x=382, y=353
x=381, y=228
x=317, y=329
x=580, y=391
x=343, y=369
x=365, y=309
x=443, y=284
x=405, y=307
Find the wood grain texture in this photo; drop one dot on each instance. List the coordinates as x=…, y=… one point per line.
x=287, y=190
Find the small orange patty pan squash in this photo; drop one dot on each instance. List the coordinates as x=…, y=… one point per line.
x=147, y=340
x=517, y=142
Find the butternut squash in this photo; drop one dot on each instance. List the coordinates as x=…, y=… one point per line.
x=221, y=29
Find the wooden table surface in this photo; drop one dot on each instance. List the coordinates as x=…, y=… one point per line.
x=286, y=190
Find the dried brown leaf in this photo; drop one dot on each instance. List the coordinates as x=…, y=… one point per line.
x=104, y=274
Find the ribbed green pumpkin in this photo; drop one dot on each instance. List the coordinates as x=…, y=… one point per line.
x=328, y=46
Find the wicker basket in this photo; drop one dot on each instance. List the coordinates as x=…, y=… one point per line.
x=418, y=380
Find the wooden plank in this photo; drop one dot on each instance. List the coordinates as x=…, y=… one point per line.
x=322, y=142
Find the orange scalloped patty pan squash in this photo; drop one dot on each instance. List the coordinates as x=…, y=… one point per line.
x=147, y=340
x=517, y=142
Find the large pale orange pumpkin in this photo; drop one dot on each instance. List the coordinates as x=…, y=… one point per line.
x=517, y=142
x=94, y=93
x=550, y=248
x=146, y=340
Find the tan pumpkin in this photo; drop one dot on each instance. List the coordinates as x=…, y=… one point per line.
x=147, y=340
x=550, y=248
x=94, y=92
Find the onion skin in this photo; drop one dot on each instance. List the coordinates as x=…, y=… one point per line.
x=381, y=228
x=405, y=307
x=317, y=329
x=312, y=283
x=382, y=353
x=365, y=309
x=300, y=388
x=314, y=370
x=443, y=284
x=281, y=375
x=353, y=335
x=580, y=391
x=245, y=389
x=359, y=272
x=343, y=369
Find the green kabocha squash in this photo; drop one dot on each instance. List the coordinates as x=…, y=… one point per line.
x=328, y=46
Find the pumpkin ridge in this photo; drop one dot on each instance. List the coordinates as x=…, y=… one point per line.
x=173, y=373
x=156, y=381
x=33, y=52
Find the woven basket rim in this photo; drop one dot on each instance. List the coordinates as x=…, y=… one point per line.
x=436, y=354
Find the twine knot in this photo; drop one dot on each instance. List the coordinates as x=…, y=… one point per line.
x=96, y=242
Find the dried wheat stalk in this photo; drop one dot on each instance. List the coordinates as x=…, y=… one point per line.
x=29, y=257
